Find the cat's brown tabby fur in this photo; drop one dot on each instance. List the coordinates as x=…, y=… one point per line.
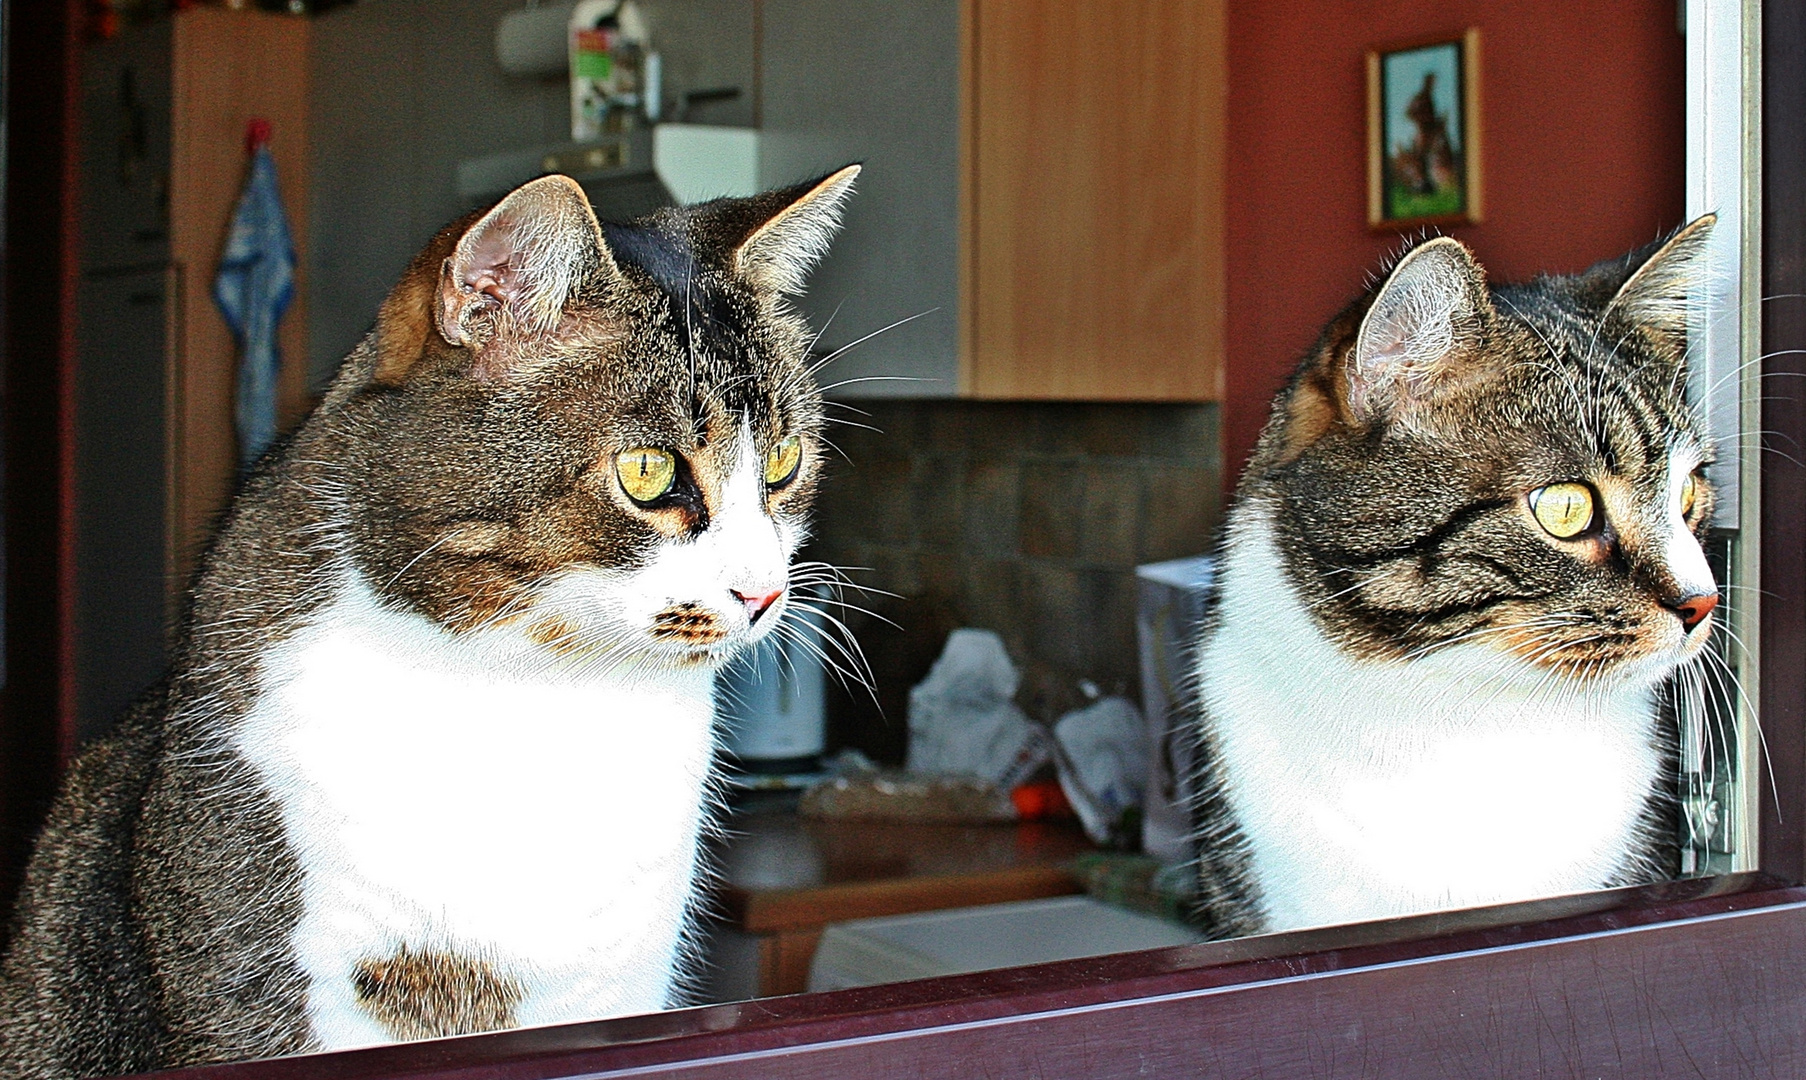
x=445, y=557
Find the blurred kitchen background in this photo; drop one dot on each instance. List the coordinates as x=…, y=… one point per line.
x=1190, y=176
x=1089, y=243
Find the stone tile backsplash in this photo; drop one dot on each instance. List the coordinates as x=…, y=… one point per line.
x=1025, y=518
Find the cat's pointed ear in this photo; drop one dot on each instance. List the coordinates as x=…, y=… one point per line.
x=790, y=229
x=1661, y=291
x=1418, y=336
x=511, y=275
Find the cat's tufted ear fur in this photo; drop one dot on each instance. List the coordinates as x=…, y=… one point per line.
x=1419, y=336
x=1661, y=291
x=511, y=276
x=776, y=238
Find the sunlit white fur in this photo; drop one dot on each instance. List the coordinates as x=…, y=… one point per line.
x=1464, y=777
x=476, y=794
x=1680, y=551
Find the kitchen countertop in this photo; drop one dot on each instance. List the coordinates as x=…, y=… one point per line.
x=784, y=877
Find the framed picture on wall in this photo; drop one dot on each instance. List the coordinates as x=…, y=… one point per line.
x=1423, y=133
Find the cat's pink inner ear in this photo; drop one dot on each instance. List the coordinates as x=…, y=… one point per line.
x=476, y=275
x=492, y=267
x=1427, y=316
x=522, y=260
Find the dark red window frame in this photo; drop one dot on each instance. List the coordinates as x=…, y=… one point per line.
x=1700, y=978
x=1691, y=979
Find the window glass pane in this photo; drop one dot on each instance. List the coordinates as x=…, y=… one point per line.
x=1053, y=323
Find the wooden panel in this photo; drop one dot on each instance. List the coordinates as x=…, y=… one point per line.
x=228, y=68
x=1094, y=199
x=784, y=960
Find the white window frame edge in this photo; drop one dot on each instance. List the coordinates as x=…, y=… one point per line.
x=1724, y=174
x=1748, y=551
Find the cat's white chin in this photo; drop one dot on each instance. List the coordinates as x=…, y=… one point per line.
x=714, y=656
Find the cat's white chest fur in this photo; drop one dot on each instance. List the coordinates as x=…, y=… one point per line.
x=543, y=823
x=1370, y=790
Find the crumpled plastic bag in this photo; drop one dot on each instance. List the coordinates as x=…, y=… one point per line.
x=1102, y=759
x=963, y=719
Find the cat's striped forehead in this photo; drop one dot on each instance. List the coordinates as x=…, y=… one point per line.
x=710, y=353
x=1601, y=388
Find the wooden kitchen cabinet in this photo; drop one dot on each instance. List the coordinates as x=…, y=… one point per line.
x=1092, y=173
x=1043, y=188
x=164, y=113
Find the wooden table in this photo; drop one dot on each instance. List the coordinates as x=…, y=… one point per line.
x=785, y=877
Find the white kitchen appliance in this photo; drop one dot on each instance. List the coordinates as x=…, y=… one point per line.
x=771, y=701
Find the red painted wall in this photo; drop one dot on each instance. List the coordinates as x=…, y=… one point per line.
x=1583, y=137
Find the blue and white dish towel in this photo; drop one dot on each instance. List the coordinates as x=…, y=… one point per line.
x=255, y=283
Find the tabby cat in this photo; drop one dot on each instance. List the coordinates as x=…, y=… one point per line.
x=1464, y=559
x=433, y=755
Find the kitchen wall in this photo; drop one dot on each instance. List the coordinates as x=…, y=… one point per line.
x=1024, y=518
x=1584, y=144
x=403, y=90
x=406, y=89
x=875, y=81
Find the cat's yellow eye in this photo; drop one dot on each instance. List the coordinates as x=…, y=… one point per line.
x=782, y=461
x=1689, y=493
x=1565, y=510
x=645, y=472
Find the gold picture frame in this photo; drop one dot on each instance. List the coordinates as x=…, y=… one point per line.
x=1423, y=133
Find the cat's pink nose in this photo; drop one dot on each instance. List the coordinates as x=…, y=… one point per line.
x=1694, y=609
x=756, y=604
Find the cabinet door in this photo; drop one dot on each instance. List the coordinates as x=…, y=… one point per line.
x=121, y=478
x=227, y=67
x=125, y=150
x=1094, y=199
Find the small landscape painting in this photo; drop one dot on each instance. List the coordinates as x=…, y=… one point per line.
x=1423, y=133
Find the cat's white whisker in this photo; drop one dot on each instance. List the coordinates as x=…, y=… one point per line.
x=1723, y=671
x=845, y=606
x=847, y=645
x=829, y=321
x=856, y=342
x=873, y=378
x=409, y=565
x=847, y=406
